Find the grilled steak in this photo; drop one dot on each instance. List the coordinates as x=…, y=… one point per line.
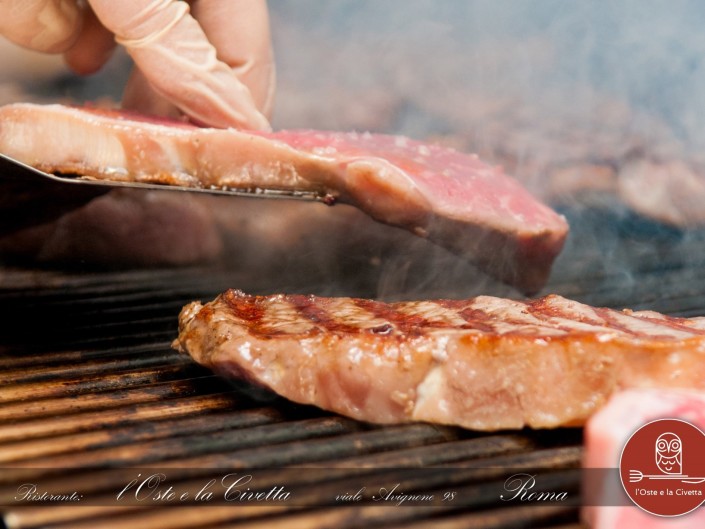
x=485, y=363
x=452, y=198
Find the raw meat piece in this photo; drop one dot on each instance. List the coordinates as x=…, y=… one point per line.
x=484, y=363
x=452, y=198
x=124, y=228
x=606, y=434
x=669, y=192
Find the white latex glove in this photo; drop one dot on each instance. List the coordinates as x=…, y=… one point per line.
x=210, y=58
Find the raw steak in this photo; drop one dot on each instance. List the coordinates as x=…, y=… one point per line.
x=484, y=363
x=452, y=198
x=606, y=434
x=125, y=228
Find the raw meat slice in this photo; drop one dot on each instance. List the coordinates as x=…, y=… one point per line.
x=484, y=363
x=452, y=198
x=125, y=228
x=669, y=192
x=606, y=434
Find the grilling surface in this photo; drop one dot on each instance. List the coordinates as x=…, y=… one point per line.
x=90, y=384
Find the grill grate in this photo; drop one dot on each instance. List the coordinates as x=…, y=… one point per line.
x=91, y=384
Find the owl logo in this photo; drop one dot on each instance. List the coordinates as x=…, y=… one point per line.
x=669, y=453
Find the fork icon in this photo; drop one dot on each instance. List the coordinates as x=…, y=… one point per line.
x=636, y=476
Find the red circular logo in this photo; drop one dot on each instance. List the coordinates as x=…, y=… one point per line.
x=663, y=469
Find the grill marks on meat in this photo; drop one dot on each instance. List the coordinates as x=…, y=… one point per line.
x=485, y=363
x=551, y=315
x=454, y=199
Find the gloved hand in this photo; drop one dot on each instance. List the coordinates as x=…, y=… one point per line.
x=210, y=58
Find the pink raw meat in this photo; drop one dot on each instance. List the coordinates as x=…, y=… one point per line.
x=454, y=199
x=606, y=434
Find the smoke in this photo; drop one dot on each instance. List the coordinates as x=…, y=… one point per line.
x=567, y=96
x=649, y=53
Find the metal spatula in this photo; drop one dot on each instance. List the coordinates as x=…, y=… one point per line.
x=29, y=196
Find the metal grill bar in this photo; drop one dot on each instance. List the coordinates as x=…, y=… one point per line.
x=76, y=385
x=49, y=427
x=165, y=385
x=99, y=388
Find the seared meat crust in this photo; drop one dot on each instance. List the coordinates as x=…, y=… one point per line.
x=484, y=363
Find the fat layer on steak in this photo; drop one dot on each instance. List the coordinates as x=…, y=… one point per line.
x=484, y=363
x=454, y=199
